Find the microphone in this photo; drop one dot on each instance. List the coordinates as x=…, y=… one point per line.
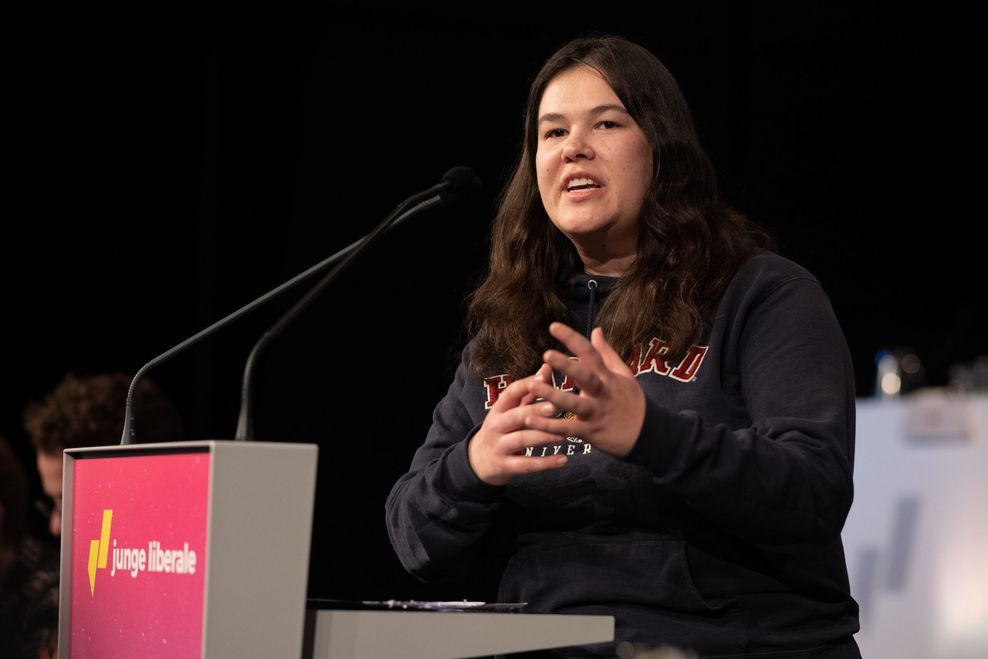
x=455, y=182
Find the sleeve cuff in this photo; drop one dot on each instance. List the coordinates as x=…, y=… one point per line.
x=463, y=481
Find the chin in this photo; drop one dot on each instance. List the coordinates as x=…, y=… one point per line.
x=582, y=222
x=584, y=228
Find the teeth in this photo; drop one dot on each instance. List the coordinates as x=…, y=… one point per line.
x=576, y=182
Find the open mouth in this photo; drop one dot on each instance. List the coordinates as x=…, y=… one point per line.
x=581, y=184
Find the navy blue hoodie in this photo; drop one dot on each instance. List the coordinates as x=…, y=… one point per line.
x=719, y=532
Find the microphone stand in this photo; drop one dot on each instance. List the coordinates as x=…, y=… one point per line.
x=245, y=420
x=454, y=181
x=129, y=435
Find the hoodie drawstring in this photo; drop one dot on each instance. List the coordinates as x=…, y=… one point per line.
x=591, y=306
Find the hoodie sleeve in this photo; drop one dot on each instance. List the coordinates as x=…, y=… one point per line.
x=786, y=479
x=439, y=510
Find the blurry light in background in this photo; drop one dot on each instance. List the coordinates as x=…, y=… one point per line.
x=889, y=381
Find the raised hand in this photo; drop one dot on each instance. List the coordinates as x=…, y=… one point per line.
x=609, y=409
x=496, y=451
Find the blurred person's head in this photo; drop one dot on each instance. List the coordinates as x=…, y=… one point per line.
x=89, y=411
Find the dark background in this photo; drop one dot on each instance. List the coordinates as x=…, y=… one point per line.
x=161, y=172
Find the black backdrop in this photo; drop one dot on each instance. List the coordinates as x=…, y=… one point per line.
x=161, y=172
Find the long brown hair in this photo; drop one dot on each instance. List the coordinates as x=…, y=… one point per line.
x=690, y=243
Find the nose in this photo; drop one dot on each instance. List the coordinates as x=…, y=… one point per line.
x=577, y=148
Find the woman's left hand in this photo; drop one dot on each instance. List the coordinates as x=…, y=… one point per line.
x=610, y=406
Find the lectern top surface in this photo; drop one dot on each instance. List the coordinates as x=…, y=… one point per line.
x=415, y=605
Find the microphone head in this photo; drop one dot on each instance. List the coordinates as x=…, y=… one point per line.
x=458, y=181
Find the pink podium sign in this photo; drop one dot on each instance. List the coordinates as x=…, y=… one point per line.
x=138, y=556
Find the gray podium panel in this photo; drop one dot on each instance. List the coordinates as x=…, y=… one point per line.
x=337, y=634
x=255, y=501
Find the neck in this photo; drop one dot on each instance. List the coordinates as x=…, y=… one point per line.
x=614, y=267
x=606, y=254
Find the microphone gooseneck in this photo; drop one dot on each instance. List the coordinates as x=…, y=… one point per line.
x=456, y=181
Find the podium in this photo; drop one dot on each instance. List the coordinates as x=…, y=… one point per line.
x=186, y=549
x=201, y=549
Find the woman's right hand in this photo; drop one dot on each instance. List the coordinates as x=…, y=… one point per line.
x=497, y=451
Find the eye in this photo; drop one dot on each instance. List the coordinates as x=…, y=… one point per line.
x=554, y=132
x=608, y=124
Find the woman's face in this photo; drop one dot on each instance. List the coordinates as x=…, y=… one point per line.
x=594, y=167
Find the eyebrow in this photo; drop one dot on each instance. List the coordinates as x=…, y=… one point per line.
x=600, y=109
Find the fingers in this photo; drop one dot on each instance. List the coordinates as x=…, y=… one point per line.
x=515, y=394
x=515, y=437
x=544, y=374
x=497, y=456
x=582, y=373
x=576, y=343
x=514, y=421
x=527, y=451
x=558, y=400
x=560, y=427
x=518, y=443
x=586, y=370
x=596, y=361
x=589, y=368
x=612, y=360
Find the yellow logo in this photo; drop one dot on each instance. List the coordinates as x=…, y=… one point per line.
x=98, y=550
